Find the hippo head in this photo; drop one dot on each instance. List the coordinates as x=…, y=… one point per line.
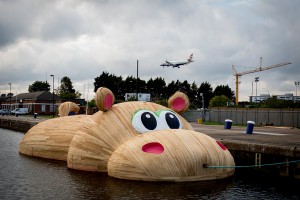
x=146, y=141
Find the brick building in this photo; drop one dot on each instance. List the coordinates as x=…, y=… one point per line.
x=36, y=102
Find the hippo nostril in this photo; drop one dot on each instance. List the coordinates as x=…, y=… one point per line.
x=153, y=147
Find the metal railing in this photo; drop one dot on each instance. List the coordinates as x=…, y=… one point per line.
x=276, y=117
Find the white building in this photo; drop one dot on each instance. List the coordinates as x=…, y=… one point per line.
x=260, y=98
x=263, y=97
x=286, y=97
x=141, y=96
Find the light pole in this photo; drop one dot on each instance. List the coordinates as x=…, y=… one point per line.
x=9, y=97
x=201, y=94
x=252, y=92
x=256, y=80
x=53, y=97
x=297, y=83
x=137, y=78
x=87, y=99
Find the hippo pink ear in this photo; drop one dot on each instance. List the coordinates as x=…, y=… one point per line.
x=104, y=99
x=179, y=102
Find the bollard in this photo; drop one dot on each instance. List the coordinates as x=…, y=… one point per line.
x=199, y=120
x=35, y=115
x=227, y=124
x=16, y=114
x=250, y=125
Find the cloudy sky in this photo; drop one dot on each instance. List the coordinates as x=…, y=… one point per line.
x=81, y=39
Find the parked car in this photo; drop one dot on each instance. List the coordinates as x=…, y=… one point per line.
x=4, y=112
x=20, y=111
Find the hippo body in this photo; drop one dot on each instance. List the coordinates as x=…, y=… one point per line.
x=132, y=140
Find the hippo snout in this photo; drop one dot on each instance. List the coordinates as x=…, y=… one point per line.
x=171, y=155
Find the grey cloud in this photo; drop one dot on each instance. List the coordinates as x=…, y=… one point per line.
x=80, y=39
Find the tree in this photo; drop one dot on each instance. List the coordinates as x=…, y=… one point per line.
x=207, y=92
x=277, y=103
x=185, y=87
x=224, y=90
x=38, y=86
x=218, y=101
x=142, y=85
x=172, y=88
x=156, y=88
x=114, y=83
x=66, y=90
x=130, y=84
x=193, y=96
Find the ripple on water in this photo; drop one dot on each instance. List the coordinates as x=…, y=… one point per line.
x=23, y=177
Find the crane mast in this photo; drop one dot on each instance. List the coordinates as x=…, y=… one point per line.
x=239, y=74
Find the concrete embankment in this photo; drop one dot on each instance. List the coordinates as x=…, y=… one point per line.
x=21, y=123
x=264, y=147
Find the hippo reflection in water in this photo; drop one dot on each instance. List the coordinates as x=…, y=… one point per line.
x=131, y=140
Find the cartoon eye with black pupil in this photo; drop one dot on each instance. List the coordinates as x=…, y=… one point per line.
x=172, y=120
x=148, y=120
x=169, y=120
x=144, y=121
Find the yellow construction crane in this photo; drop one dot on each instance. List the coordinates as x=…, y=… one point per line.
x=239, y=74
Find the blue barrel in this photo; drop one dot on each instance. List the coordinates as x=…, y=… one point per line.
x=35, y=115
x=250, y=126
x=227, y=124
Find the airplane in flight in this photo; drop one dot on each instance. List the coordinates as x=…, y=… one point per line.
x=178, y=63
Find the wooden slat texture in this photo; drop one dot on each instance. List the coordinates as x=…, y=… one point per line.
x=67, y=107
x=52, y=138
x=185, y=152
x=96, y=140
x=108, y=142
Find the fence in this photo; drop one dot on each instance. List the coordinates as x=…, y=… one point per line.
x=276, y=117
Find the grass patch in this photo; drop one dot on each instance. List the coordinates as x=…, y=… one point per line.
x=212, y=123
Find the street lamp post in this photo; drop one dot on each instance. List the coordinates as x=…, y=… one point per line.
x=53, y=97
x=296, y=83
x=87, y=99
x=9, y=97
x=252, y=92
x=137, y=78
x=256, y=80
x=201, y=94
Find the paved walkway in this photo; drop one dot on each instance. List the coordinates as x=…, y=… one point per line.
x=281, y=138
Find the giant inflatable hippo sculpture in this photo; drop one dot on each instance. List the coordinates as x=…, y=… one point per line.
x=132, y=140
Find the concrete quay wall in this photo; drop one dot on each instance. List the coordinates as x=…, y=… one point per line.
x=21, y=124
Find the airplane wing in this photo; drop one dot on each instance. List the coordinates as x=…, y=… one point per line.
x=165, y=64
x=169, y=63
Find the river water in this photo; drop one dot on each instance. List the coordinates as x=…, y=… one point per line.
x=23, y=177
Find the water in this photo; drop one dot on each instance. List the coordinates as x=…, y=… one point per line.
x=23, y=177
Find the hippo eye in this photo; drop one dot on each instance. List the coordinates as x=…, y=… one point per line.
x=144, y=121
x=171, y=119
